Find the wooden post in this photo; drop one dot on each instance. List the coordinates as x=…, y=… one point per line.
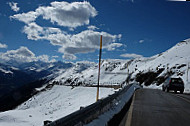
x=100, y=54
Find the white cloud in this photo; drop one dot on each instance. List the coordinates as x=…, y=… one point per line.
x=88, y=41
x=43, y=58
x=68, y=56
x=141, y=41
x=22, y=55
x=14, y=6
x=112, y=46
x=145, y=40
x=70, y=15
x=92, y=27
x=62, y=13
x=83, y=42
x=33, y=31
x=75, y=50
x=36, y=32
x=132, y=55
x=3, y=45
x=26, y=17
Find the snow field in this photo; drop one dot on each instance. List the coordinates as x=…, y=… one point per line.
x=51, y=105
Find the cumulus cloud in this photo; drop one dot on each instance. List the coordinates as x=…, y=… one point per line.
x=26, y=17
x=83, y=42
x=68, y=56
x=43, y=58
x=132, y=55
x=14, y=6
x=91, y=39
x=36, y=32
x=62, y=13
x=3, y=45
x=69, y=15
x=112, y=46
x=92, y=27
x=22, y=55
x=87, y=41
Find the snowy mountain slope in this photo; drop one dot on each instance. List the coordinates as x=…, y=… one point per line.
x=88, y=76
x=175, y=61
x=51, y=105
x=178, y=54
x=61, y=100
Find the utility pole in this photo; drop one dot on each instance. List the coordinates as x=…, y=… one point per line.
x=100, y=54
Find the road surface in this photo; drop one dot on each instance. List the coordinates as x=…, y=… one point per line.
x=151, y=107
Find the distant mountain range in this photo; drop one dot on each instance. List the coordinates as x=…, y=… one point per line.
x=19, y=80
x=15, y=75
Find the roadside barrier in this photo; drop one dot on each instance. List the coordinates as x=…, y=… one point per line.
x=93, y=111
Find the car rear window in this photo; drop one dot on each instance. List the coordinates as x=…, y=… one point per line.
x=177, y=80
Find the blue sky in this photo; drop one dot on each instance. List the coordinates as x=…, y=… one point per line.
x=70, y=30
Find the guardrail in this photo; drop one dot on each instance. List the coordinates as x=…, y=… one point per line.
x=91, y=112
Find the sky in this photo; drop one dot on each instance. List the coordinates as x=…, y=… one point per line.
x=48, y=30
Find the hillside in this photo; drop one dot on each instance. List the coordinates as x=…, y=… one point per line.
x=51, y=105
x=173, y=62
x=55, y=100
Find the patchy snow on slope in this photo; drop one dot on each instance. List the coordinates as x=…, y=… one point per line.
x=51, y=105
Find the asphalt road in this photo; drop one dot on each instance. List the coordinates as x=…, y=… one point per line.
x=157, y=108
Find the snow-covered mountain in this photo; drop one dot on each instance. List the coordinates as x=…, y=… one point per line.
x=31, y=71
x=86, y=74
x=173, y=62
x=55, y=101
